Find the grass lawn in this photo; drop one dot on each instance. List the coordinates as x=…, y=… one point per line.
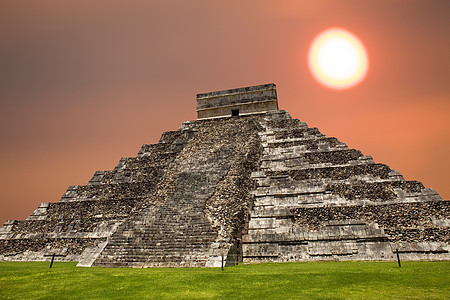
x=315, y=280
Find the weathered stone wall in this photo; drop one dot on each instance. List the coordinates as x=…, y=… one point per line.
x=87, y=216
x=248, y=100
x=318, y=200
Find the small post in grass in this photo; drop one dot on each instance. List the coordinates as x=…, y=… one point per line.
x=53, y=258
x=398, y=258
x=222, y=262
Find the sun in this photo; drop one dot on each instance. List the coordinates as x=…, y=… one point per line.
x=338, y=59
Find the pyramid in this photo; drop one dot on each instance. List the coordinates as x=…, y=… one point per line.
x=243, y=183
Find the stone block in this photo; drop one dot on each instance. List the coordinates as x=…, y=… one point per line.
x=235, y=102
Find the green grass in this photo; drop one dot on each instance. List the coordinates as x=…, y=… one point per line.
x=317, y=280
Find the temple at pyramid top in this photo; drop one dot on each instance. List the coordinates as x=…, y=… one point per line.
x=235, y=102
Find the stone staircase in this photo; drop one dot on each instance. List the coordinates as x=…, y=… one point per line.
x=176, y=231
x=171, y=240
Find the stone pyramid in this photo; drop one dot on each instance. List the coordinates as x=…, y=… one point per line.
x=243, y=183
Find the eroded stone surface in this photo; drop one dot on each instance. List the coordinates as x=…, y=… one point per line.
x=235, y=102
x=316, y=199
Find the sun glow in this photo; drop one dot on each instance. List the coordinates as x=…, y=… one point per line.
x=337, y=59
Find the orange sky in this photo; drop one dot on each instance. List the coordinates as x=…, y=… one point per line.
x=83, y=83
